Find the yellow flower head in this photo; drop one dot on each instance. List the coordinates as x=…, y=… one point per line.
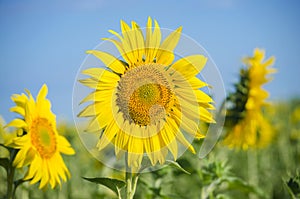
x=144, y=102
x=6, y=138
x=248, y=127
x=40, y=146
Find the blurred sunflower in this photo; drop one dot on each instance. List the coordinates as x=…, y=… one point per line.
x=246, y=124
x=144, y=102
x=6, y=138
x=40, y=145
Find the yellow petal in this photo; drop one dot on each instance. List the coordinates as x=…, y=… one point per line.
x=170, y=141
x=120, y=48
x=94, y=72
x=19, y=142
x=18, y=109
x=165, y=55
x=20, y=157
x=269, y=62
x=93, y=125
x=179, y=136
x=52, y=173
x=45, y=174
x=29, y=157
x=186, y=124
x=89, y=111
x=20, y=100
x=190, y=66
x=109, y=61
x=34, y=171
x=96, y=108
x=196, y=83
x=111, y=130
x=129, y=43
x=116, y=34
x=139, y=38
x=98, y=96
x=148, y=37
x=152, y=40
x=98, y=84
x=60, y=169
x=193, y=83
x=206, y=116
x=203, y=97
x=101, y=119
x=65, y=146
x=193, y=96
x=42, y=93
x=18, y=123
x=161, y=155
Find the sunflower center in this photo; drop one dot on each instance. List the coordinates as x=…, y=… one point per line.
x=147, y=94
x=43, y=137
x=144, y=94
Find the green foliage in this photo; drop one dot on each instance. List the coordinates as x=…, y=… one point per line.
x=219, y=181
x=236, y=101
x=113, y=184
x=293, y=186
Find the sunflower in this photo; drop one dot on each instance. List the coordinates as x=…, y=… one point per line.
x=247, y=125
x=40, y=145
x=144, y=102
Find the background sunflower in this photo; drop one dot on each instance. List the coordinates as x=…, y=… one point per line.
x=247, y=127
x=40, y=146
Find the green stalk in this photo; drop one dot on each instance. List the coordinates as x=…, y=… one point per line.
x=10, y=182
x=11, y=189
x=252, y=170
x=135, y=180
x=131, y=181
x=128, y=185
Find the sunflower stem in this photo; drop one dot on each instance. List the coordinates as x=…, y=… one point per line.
x=10, y=182
x=134, y=181
x=11, y=189
x=131, y=180
x=128, y=185
x=252, y=170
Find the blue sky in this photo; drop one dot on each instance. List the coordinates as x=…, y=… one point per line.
x=45, y=41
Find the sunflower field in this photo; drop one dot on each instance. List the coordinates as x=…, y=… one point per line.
x=152, y=118
x=224, y=173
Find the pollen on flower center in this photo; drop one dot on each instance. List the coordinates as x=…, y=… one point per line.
x=43, y=137
x=147, y=94
x=144, y=95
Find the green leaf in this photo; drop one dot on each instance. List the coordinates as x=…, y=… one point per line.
x=292, y=187
x=113, y=184
x=176, y=165
x=235, y=183
x=4, y=162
